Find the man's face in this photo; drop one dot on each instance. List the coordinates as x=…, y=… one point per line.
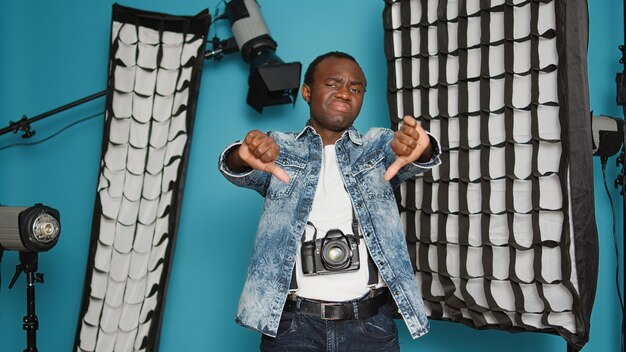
x=335, y=95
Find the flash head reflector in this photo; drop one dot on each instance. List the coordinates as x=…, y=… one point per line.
x=46, y=228
x=29, y=229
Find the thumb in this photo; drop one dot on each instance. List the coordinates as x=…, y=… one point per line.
x=277, y=171
x=393, y=169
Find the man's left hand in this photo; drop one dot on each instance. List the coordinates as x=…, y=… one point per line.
x=410, y=143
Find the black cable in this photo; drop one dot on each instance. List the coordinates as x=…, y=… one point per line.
x=217, y=17
x=54, y=134
x=617, y=261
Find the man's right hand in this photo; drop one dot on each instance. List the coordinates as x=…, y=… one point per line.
x=257, y=151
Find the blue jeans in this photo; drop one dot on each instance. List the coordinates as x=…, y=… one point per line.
x=303, y=333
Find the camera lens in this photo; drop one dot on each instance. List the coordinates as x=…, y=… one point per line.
x=336, y=254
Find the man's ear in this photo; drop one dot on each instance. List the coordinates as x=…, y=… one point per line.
x=306, y=93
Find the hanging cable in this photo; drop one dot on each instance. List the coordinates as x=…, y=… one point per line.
x=615, y=244
x=603, y=161
x=54, y=134
x=217, y=16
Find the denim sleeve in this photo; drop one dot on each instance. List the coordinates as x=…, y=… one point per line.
x=253, y=179
x=434, y=159
x=414, y=168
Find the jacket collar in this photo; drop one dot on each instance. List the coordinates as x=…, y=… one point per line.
x=353, y=134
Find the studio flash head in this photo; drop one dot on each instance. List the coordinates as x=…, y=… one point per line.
x=271, y=81
x=29, y=229
x=607, y=135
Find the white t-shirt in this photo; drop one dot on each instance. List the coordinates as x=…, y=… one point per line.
x=332, y=209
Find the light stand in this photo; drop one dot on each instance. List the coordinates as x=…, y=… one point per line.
x=28, y=265
x=621, y=181
x=621, y=178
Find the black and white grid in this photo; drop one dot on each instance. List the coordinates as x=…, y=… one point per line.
x=497, y=233
x=154, y=78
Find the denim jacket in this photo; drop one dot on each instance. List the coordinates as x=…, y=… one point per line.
x=362, y=160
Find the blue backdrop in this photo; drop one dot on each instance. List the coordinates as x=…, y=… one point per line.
x=52, y=53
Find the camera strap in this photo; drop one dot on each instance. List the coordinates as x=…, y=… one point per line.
x=293, y=286
x=372, y=281
x=355, y=226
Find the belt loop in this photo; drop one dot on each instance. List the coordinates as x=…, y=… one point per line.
x=373, y=291
x=355, y=309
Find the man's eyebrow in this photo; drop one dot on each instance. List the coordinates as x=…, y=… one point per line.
x=339, y=79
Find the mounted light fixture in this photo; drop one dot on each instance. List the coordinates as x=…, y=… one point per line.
x=29, y=229
x=271, y=81
x=608, y=135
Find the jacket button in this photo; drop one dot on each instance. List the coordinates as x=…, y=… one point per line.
x=289, y=258
x=382, y=263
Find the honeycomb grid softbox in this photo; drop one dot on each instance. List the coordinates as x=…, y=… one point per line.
x=155, y=65
x=503, y=233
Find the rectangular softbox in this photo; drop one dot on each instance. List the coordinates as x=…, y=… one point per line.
x=503, y=233
x=155, y=65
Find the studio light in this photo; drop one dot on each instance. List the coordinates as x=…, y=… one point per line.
x=271, y=81
x=29, y=229
x=608, y=135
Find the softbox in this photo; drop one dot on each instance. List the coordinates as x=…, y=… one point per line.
x=155, y=64
x=503, y=233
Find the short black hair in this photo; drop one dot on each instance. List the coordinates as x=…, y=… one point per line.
x=308, y=75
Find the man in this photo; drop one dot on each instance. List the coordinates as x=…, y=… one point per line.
x=330, y=257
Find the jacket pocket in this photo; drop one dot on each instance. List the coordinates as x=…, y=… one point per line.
x=294, y=166
x=369, y=171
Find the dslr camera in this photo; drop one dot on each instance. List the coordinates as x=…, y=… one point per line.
x=336, y=252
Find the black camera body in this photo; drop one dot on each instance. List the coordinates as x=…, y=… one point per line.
x=335, y=253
